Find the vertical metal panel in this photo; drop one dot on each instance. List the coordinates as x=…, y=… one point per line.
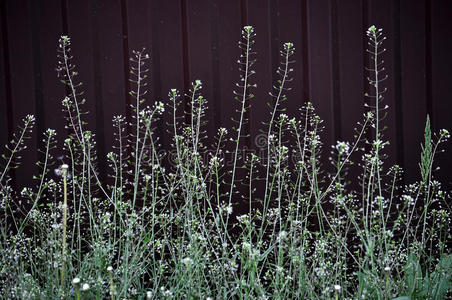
x=6, y=118
x=292, y=25
x=47, y=26
x=413, y=83
x=320, y=66
x=200, y=53
x=229, y=29
x=108, y=42
x=441, y=38
x=22, y=82
x=260, y=16
x=351, y=68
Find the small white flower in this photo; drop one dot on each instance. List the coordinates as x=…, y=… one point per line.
x=284, y=149
x=408, y=199
x=287, y=46
x=110, y=269
x=187, y=261
x=85, y=287
x=342, y=147
x=377, y=143
x=213, y=161
x=282, y=235
x=25, y=191
x=76, y=280
x=248, y=29
x=337, y=287
x=229, y=209
x=50, y=131
x=371, y=29
x=387, y=269
x=30, y=118
x=148, y=295
x=222, y=131
x=111, y=155
x=246, y=246
x=65, y=40
x=242, y=218
x=160, y=107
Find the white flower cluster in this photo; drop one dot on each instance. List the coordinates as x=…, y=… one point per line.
x=343, y=148
x=283, y=117
x=30, y=118
x=159, y=107
x=148, y=295
x=50, y=132
x=214, y=161
x=229, y=209
x=288, y=46
x=76, y=282
x=64, y=40
x=165, y=292
x=282, y=236
x=222, y=131
x=445, y=133
x=244, y=219
x=408, y=200
x=187, y=261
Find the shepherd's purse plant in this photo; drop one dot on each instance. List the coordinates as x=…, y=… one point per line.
x=207, y=220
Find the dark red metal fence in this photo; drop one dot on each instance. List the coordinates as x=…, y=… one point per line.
x=194, y=39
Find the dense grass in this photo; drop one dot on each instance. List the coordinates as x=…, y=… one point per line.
x=274, y=224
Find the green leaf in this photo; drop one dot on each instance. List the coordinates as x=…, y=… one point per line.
x=426, y=155
x=413, y=275
x=441, y=278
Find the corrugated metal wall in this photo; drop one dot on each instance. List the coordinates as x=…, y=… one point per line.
x=194, y=39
